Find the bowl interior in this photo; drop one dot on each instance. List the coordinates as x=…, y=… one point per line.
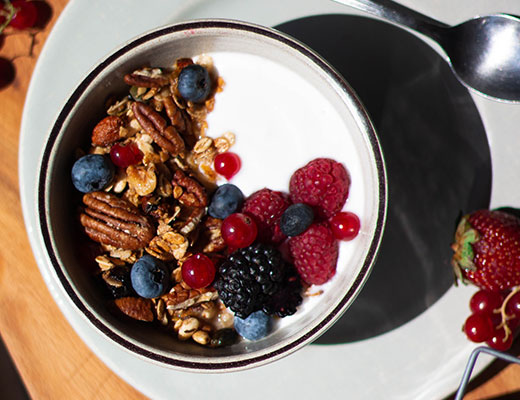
x=286, y=106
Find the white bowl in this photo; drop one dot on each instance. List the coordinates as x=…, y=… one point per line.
x=286, y=106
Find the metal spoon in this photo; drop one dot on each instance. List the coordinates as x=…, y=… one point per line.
x=484, y=52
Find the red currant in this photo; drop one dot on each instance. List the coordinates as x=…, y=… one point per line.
x=25, y=16
x=513, y=305
x=227, y=164
x=496, y=318
x=198, y=271
x=478, y=328
x=345, y=225
x=6, y=72
x=124, y=156
x=239, y=230
x=497, y=340
x=485, y=302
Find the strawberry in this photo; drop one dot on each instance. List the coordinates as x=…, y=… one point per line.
x=487, y=250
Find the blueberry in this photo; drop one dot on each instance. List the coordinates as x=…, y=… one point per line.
x=296, y=219
x=149, y=276
x=226, y=200
x=92, y=172
x=194, y=83
x=255, y=326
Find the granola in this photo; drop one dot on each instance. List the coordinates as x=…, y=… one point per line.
x=157, y=205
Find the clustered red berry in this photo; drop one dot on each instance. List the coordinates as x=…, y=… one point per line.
x=494, y=319
x=17, y=16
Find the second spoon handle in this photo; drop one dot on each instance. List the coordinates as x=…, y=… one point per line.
x=399, y=14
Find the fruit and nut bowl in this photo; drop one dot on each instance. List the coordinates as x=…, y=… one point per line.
x=212, y=196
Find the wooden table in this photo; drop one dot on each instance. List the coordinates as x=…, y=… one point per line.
x=52, y=360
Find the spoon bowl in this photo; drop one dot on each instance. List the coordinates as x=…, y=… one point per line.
x=485, y=55
x=484, y=52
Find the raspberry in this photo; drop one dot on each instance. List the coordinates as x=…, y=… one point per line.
x=323, y=184
x=315, y=253
x=266, y=207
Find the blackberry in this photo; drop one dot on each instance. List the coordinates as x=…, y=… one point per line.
x=285, y=302
x=251, y=278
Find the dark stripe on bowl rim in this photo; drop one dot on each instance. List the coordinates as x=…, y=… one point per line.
x=374, y=245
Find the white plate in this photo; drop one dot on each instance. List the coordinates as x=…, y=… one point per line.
x=423, y=359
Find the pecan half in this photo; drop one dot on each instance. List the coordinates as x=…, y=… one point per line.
x=156, y=126
x=146, y=81
x=107, y=131
x=177, y=116
x=193, y=194
x=136, y=308
x=107, y=219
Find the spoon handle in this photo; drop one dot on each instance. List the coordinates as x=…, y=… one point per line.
x=399, y=14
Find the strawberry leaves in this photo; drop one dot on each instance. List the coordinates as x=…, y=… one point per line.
x=465, y=237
